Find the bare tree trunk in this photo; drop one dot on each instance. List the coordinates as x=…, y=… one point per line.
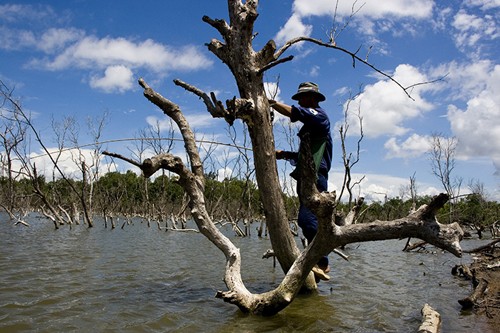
x=248, y=67
x=86, y=213
x=252, y=107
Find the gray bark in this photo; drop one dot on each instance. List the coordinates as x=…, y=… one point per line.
x=252, y=107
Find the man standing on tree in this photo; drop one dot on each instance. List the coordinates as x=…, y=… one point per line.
x=316, y=125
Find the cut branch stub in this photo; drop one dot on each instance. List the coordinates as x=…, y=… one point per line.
x=221, y=25
x=240, y=108
x=214, y=106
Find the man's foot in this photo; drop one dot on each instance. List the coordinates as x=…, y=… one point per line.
x=319, y=273
x=325, y=269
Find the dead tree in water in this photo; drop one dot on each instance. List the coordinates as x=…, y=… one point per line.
x=333, y=232
x=252, y=107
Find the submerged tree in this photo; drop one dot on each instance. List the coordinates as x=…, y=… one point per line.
x=248, y=67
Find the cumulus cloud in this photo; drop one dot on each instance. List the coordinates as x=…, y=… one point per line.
x=116, y=78
x=463, y=80
x=196, y=121
x=272, y=90
x=68, y=161
x=477, y=126
x=54, y=39
x=200, y=120
x=414, y=146
x=385, y=108
x=117, y=57
x=106, y=58
x=470, y=29
x=473, y=104
x=92, y=51
x=371, y=8
x=294, y=27
x=483, y=4
x=378, y=187
x=371, y=16
x=224, y=173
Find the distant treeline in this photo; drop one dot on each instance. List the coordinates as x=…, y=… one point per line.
x=127, y=194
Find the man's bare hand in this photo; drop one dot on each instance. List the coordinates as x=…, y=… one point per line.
x=281, y=155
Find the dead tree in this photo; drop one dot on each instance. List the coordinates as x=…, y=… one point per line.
x=252, y=107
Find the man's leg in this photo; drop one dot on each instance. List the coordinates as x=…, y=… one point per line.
x=309, y=224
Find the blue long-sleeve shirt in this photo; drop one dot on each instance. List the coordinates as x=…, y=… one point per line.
x=317, y=124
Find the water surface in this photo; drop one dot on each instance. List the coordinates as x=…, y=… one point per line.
x=140, y=279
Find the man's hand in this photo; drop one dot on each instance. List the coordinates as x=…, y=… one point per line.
x=281, y=155
x=282, y=108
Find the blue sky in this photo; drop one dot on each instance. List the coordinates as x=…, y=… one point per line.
x=81, y=59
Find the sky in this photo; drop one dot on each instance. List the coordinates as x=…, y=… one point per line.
x=80, y=60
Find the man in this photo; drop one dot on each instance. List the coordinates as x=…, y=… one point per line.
x=317, y=125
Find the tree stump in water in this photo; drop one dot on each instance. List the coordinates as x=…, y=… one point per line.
x=485, y=270
x=430, y=320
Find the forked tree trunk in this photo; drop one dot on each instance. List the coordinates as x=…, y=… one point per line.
x=248, y=68
x=252, y=107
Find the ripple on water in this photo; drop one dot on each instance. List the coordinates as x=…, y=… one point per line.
x=139, y=279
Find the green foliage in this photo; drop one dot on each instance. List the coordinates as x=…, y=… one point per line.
x=129, y=193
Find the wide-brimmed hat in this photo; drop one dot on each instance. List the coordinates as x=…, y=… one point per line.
x=309, y=88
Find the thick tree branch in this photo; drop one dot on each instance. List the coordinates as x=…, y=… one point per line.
x=214, y=106
x=236, y=107
x=220, y=25
x=173, y=111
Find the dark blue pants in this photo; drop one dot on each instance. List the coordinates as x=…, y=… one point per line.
x=307, y=220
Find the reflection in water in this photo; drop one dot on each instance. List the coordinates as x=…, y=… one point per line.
x=140, y=279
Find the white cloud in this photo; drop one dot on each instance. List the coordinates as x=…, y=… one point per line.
x=196, y=121
x=116, y=78
x=385, y=108
x=67, y=161
x=471, y=29
x=315, y=70
x=12, y=13
x=376, y=187
x=71, y=49
x=16, y=39
x=54, y=39
x=200, y=120
x=474, y=96
x=371, y=16
x=224, y=173
x=294, y=27
x=272, y=90
x=463, y=80
x=483, y=4
x=90, y=52
x=477, y=127
x=414, y=146
x=369, y=8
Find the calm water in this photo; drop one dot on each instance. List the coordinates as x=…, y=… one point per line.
x=140, y=279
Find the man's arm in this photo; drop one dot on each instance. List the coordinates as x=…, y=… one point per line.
x=282, y=108
x=287, y=155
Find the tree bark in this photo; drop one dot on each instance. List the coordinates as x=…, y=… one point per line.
x=252, y=107
x=431, y=320
x=246, y=66
x=421, y=224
